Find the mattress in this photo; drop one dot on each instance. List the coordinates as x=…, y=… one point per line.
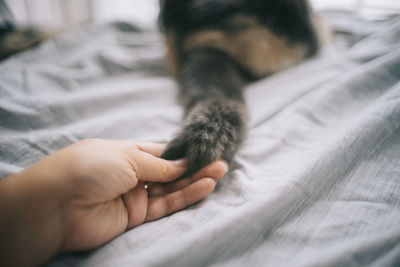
x=316, y=182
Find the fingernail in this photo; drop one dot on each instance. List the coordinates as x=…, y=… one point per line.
x=181, y=163
x=226, y=165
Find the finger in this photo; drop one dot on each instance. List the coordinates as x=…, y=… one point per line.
x=215, y=170
x=153, y=148
x=153, y=169
x=136, y=205
x=161, y=206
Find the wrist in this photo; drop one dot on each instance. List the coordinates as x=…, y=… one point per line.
x=31, y=230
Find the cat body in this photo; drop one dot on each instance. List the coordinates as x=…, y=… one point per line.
x=215, y=47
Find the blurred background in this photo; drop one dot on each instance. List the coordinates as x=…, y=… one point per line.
x=58, y=14
x=64, y=14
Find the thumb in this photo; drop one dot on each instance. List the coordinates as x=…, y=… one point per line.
x=149, y=168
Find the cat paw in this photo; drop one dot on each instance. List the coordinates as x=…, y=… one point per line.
x=199, y=150
x=213, y=131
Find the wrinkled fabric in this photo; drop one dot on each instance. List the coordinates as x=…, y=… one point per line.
x=316, y=183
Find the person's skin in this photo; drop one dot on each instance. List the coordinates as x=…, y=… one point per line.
x=89, y=193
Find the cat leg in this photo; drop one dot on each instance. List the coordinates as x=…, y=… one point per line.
x=215, y=114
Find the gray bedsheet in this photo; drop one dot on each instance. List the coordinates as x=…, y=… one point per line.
x=317, y=182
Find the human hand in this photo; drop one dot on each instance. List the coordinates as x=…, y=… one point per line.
x=109, y=196
x=93, y=190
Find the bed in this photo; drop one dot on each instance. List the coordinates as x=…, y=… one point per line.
x=316, y=183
